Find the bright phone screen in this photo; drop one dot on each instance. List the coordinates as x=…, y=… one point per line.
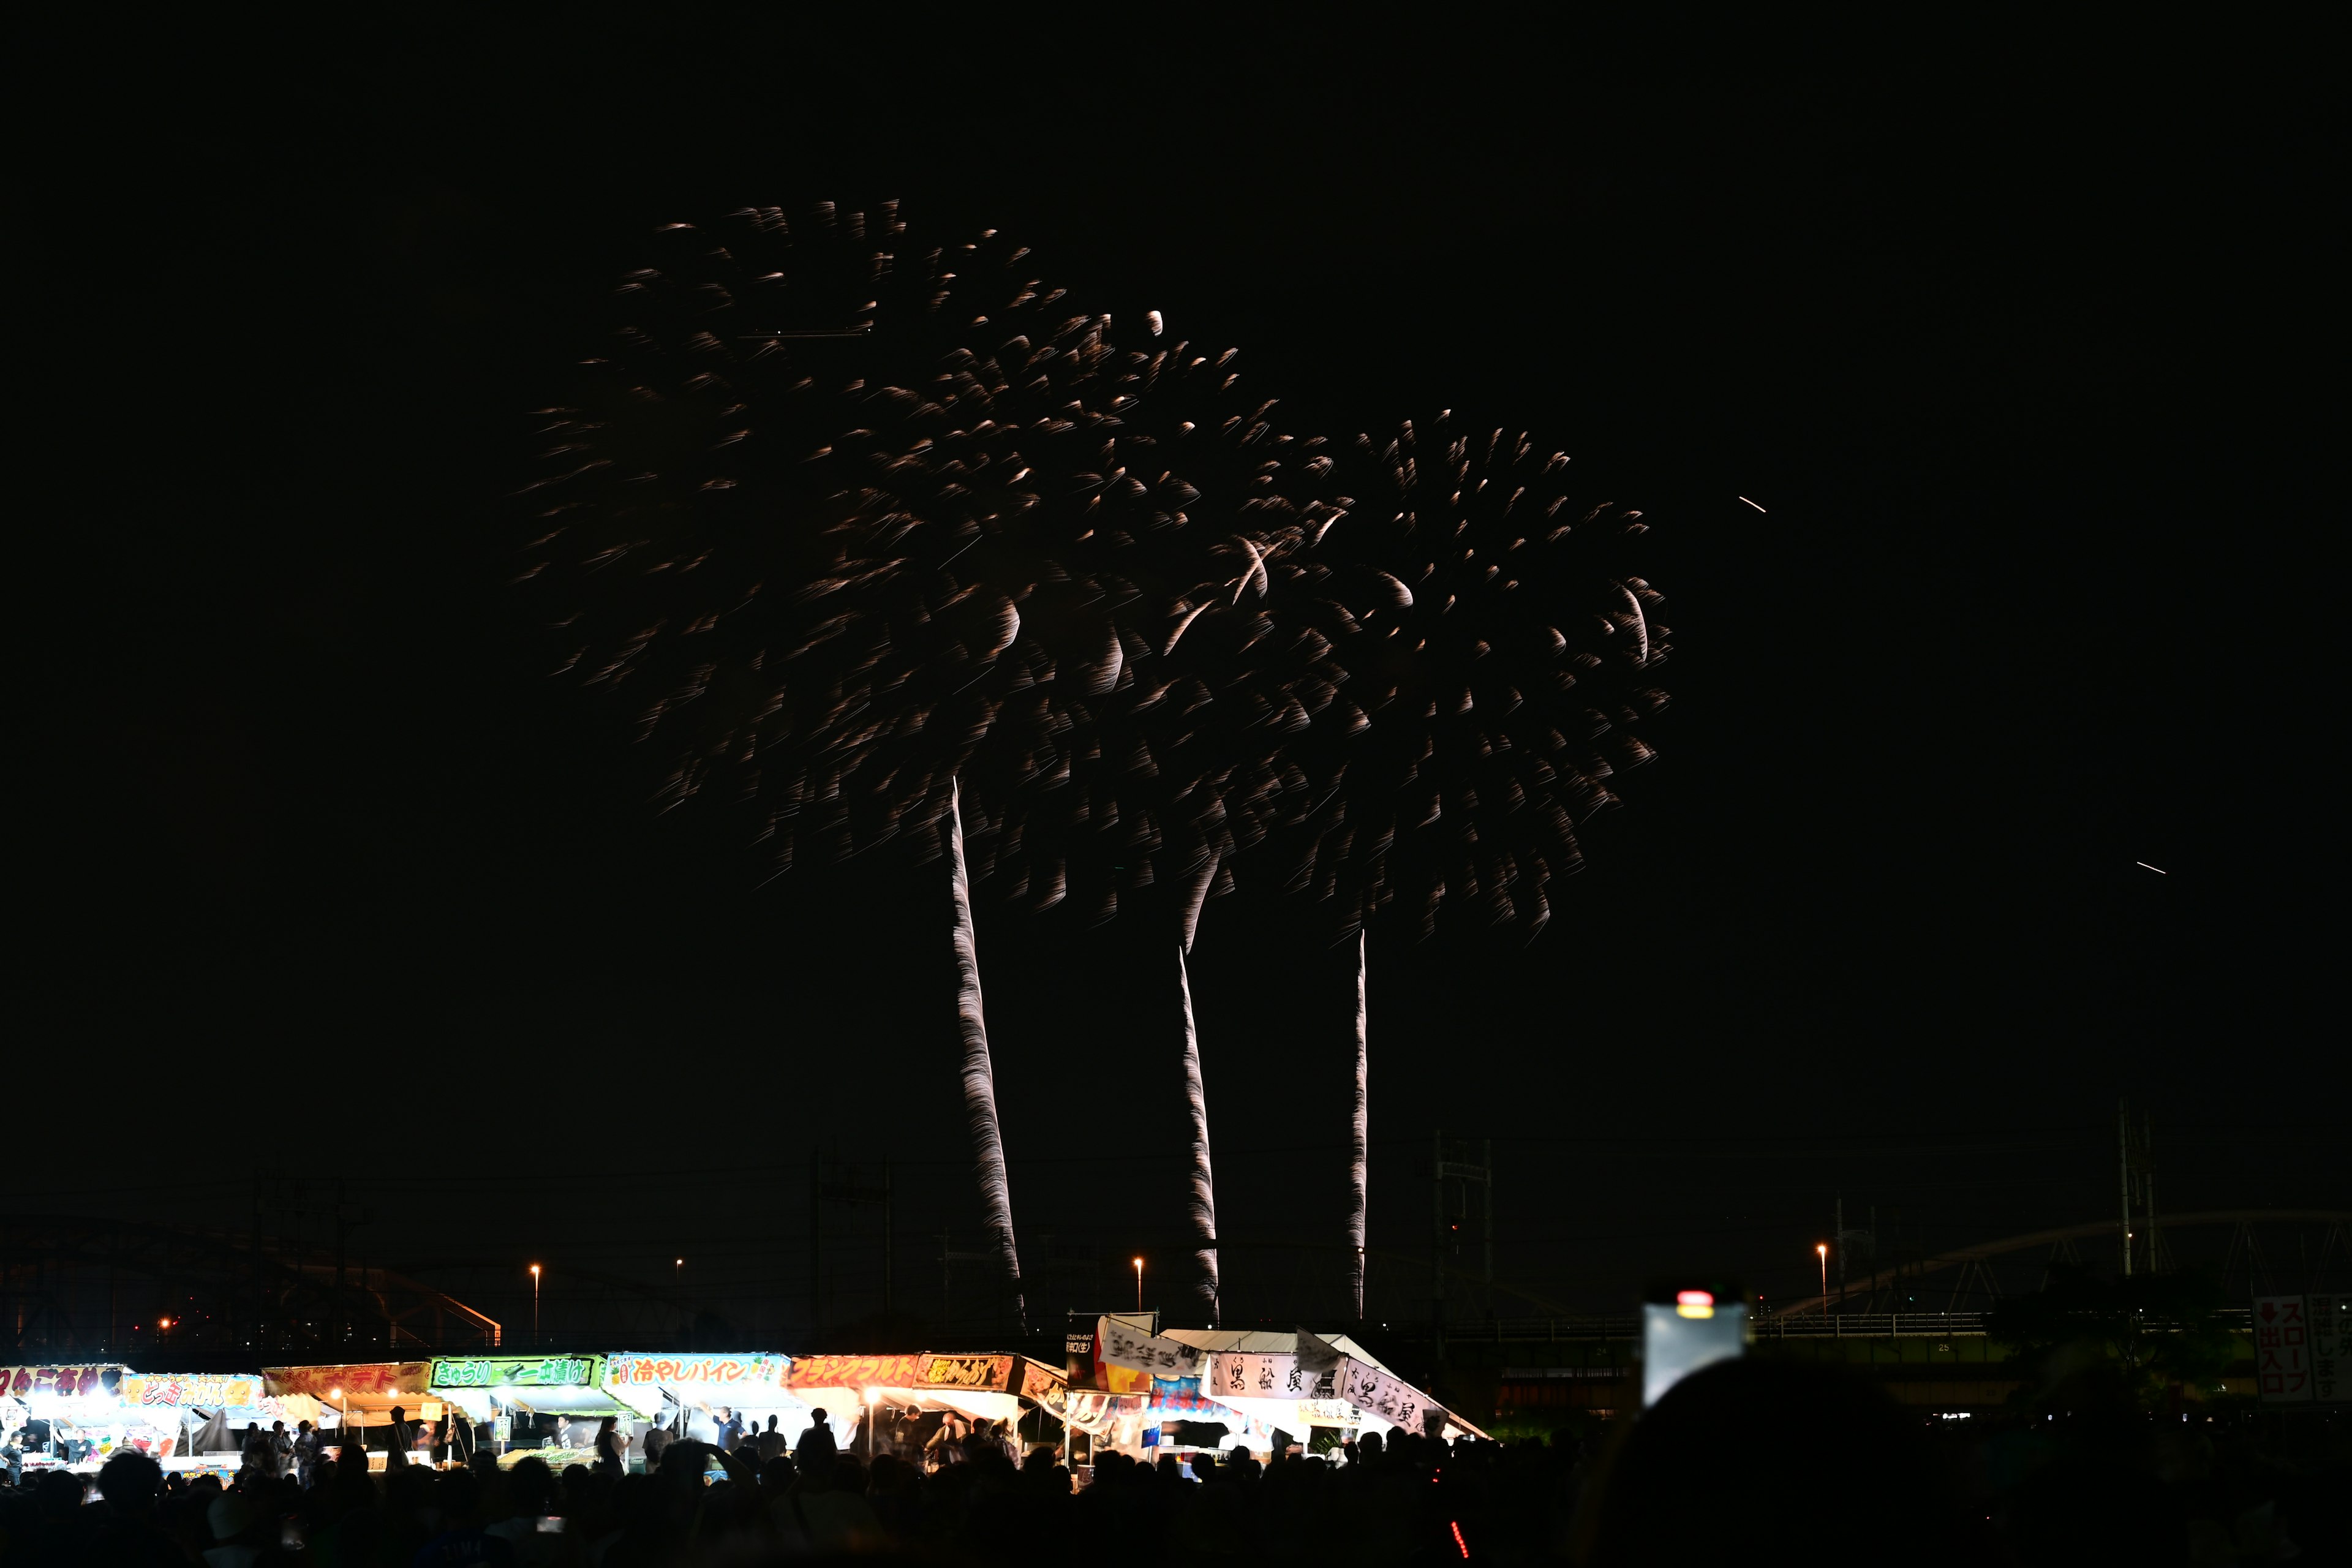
x=1680, y=1337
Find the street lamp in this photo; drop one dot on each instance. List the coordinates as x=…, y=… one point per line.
x=534, y=1304
x=1822, y=1248
x=1139, y=1285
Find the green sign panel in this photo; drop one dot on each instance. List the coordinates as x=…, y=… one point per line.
x=518, y=1371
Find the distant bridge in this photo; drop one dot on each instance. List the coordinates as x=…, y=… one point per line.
x=76, y=1288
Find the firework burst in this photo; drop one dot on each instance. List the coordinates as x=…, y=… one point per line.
x=876, y=537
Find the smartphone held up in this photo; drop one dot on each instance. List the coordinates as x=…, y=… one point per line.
x=1687, y=1324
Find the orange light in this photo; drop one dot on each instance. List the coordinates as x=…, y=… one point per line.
x=1823, y=1249
x=334, y=1393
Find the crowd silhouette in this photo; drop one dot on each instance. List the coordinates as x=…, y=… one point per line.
x=1749, y=1461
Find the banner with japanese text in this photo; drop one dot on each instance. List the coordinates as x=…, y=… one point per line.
x=984, y=1373
x=2282, y=1349
x=1125, y=1345
x=741, y=1372
x=206, y=1391
x=1255, y=1374
x=367, y=1380
x=857, y=1371
x=516, y=1371
x=66, y=1382
x=2331, y=1325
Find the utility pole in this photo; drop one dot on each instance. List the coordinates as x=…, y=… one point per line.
x=1486, y=1216
x=343, y=1231
x=847, y=1190
x=2122, y=1158
x=1437, y=1229
x=816, y=1254
x=1481, y=1176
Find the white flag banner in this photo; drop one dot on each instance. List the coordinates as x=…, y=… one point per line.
x=1368, y=1388
x=1123, y=1345
x=1258, y=1375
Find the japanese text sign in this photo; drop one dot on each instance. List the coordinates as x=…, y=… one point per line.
x=1130, y=1347
x=515, y=1372
x=2282, y=1349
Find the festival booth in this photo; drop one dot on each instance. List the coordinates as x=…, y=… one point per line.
x=206, y=1415
x=63, y=1418
x=78, y=1417
x=987, y=1387
x=547, y=1404
x=1255, y=1382
x=684, y=1394
x=357, y=1395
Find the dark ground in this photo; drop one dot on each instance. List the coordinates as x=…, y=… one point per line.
x=2019, y=343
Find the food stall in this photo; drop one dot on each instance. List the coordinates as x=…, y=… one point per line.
x=1268, y=1382
x=188, y=1405
x=352, y=1397
x=76, y=1417
x=546, y=1405
x=63, y=1418
x=684, y=1394
x=994, y=1386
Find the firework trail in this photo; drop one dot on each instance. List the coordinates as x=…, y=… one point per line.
x=1204, y=1181
x=979, y=1071
x=1360, y=1145
x=891, y=537
x=1499, y=654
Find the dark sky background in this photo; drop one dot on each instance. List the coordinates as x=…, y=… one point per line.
x=2019, y=345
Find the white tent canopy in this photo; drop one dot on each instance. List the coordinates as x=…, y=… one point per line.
x=1259, y=1397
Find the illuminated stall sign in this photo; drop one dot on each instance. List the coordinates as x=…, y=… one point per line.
x=367, y=1380
x=857, y=1371
x=65, y=1381
x=971, y=1374
x=745, y=1372
x=159, y=1391
x=992, y=1374
x=518, y=1371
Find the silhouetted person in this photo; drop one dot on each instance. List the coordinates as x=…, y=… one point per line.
x=612, y=1449
x=816, y=1449
x=398, y=1441
x=129, y=1483
x=1753, y=1460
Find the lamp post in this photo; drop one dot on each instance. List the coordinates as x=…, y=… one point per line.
x=1823, y=1248
x=1139, y=1285
x=872, y=1396
x=534, y=1306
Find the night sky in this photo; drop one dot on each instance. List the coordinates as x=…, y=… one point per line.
x=2019, y=348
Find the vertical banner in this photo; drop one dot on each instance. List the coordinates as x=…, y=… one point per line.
x=2331, y=1321
x=2282, y=1349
